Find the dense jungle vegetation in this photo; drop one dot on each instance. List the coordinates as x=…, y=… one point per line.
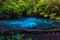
x=10, y=9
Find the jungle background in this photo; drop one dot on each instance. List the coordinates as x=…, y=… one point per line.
x=11, y=9
x=37, y=8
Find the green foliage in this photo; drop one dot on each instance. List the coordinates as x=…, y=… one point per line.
x=19, y=36
x=29, y=39
x=47, y=8
x=19, y=8
x=16, y=8
x=15, y=37
x=11, y=7
x=1, y=38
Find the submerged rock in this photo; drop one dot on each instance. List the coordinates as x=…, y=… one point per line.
x=28, y=23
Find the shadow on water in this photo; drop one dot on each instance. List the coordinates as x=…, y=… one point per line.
x=32, y=23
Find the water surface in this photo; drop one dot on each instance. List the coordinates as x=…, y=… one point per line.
x=29, y=23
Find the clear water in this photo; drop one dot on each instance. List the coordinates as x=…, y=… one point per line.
x=28, y=23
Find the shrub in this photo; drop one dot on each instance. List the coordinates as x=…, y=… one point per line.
x=16, y=8
x=47, y=8
x=20, y=8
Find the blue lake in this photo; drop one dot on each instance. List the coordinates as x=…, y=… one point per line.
x=28, y=23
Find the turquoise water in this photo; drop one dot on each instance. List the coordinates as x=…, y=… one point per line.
x=28, y=23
